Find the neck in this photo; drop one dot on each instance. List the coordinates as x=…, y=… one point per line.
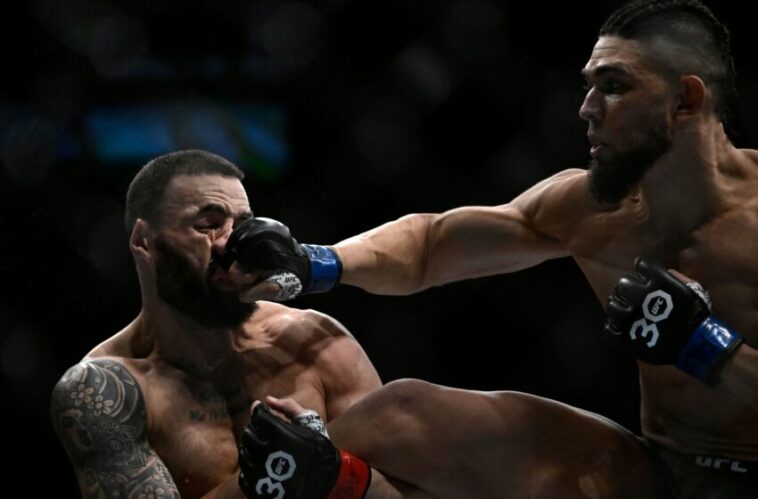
x=182, y=343
x=683, y=190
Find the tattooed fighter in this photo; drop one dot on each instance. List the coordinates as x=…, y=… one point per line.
x=157, y=409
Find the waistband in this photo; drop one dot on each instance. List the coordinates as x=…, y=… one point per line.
x=726, y=465
x=743, y=470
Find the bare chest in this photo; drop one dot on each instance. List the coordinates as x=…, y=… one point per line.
x=722, y=255
x=195, y=431
x=724, y=258
x=195, y=427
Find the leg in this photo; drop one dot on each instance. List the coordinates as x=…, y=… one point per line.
x=389, y=488
x=455, y=443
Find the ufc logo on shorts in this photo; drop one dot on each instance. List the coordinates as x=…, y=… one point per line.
x=280, y=466
x=656, y=307
x=718, y=463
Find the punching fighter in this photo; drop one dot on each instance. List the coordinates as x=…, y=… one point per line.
x=666, y=183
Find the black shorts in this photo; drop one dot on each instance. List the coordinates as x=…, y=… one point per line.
x=690, y=476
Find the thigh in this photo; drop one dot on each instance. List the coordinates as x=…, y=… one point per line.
x=460, y=443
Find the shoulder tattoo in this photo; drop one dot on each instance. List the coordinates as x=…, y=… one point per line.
x=99, y=414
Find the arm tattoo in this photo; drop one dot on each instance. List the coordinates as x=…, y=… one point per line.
x=99, y=414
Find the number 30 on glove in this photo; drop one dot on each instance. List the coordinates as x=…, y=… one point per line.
x=281, y=460
x=665, y=321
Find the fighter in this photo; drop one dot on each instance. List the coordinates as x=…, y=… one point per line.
x=157, y=409
x=664, y=182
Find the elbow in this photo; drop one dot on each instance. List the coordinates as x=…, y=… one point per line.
x=425, y=240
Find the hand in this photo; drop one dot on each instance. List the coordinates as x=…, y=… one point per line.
x=281, y=460
x=295, y=461
x=283, y=268
x=662, y=321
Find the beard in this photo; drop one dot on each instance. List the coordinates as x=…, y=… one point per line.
x=611, y=180
x=190, y=292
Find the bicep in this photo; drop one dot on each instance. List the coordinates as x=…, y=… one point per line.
x=476, y=241
x=99, y=414
x=353, y=378
x=422, y=250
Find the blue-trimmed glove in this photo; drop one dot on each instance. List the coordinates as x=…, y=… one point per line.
x=264, y=244
x=665, y=321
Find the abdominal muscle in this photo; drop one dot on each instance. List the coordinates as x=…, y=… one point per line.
x=685, y=415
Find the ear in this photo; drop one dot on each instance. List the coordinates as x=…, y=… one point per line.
x=141, y=239
x=692, y=96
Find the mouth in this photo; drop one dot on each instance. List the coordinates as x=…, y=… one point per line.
x=596, y=146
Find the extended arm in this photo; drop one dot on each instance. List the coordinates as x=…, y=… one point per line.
x=424, y=250
x=99, y=414
x=414, y=252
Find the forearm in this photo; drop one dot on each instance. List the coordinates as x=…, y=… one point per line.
x=740, y=375
x=420, y=251
x=389, y=259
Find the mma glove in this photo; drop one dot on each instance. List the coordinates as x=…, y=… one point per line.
x=665, y=321
x=265, y=244
x=281, y=460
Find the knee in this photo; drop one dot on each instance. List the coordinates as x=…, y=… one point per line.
x=408, y=393
x=405, y=405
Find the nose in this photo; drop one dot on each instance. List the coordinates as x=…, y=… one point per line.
x=220, y=238
x=592, y=109
x=218, y=249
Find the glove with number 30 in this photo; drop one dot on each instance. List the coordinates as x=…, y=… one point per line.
x=281, y=460
x=665, y=321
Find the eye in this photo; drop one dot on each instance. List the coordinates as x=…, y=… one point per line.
x=613, y=87
x=207, y=227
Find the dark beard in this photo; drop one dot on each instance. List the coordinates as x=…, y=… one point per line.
x=192, y=294
x=611, y=181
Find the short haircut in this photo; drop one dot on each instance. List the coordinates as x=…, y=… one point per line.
x=145, y=193
x=700, y=42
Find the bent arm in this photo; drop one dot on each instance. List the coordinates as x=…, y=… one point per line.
x=346, y=373
x=424, y=250
x=98, y=412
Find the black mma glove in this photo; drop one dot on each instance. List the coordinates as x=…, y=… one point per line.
x=281, y=460
x=265, y=244
x=665, y=321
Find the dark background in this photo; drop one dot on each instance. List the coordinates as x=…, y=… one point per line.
x=344, y=114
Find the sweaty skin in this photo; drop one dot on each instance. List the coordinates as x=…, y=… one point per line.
x=159, y=407
x=447, y=443
x=695, y=210
x=692, y=211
